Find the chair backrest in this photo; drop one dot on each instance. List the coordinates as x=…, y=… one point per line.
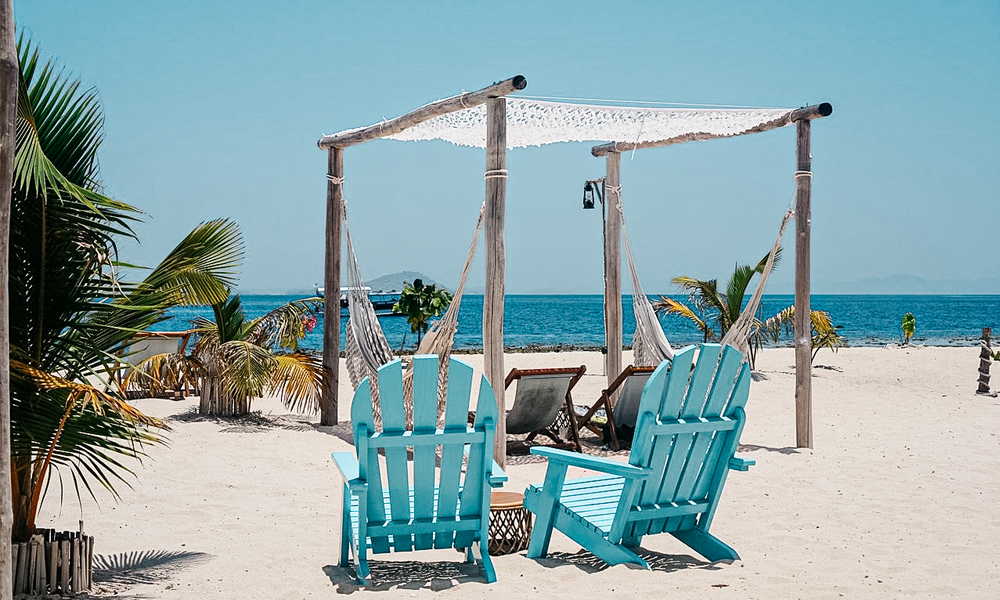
x=440, y=493
x=626, y=409
x=688, y=429
x=540, y=394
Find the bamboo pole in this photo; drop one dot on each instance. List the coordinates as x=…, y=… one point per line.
x=800, y=114
x=493, y=298
x=803, y=324
x=428, y=111
x=331, y=283
x=613, y=269
x=8, y=110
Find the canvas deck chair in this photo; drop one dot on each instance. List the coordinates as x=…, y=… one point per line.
x=403, y=505
x=686, y=436
x=622, y=412
x=540, y=397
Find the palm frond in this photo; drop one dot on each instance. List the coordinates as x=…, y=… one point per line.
x=202, y=268
x=299, y=379
x=668, y=306
x=246, y=368
x=285, y=325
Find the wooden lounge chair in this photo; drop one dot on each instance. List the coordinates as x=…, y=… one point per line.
x=440, y=508
x=541, y=395
x=623, y=411
x=686, y=436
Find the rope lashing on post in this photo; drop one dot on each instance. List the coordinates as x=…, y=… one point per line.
x=495, y=174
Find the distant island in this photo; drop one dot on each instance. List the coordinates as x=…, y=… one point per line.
x=396, y=281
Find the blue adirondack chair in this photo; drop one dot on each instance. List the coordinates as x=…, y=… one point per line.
x=687, y=432
x=432, y=505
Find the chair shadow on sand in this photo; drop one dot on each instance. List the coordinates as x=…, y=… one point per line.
x=657, y=561
x=755, y=447
x=146, y=567
x=407, y=575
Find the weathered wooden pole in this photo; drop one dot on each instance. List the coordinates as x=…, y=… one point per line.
x=613, y=268
x=331, y=283
x=803, y=324
x=985, y=359
x=493, y=297
x=8, y=113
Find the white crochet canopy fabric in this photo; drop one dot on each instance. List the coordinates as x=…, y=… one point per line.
x=535, y=122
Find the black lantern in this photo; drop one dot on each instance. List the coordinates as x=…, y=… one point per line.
x=591, y=190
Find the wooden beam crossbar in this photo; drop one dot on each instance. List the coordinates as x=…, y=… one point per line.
x=800, y=114
x=428, y=111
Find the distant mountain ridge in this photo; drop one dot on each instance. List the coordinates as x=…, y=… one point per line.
x=396, y=281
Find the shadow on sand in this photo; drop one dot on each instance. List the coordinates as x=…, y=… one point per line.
x=664, y=563
x=150, y=566
x=406, y=575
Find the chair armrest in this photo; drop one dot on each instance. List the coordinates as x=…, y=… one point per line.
x=741, y=464
x=347, y=464
x=497, y=477
x=596, y=463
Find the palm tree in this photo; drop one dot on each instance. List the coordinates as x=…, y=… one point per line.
x=824, y=333
x=421, y=303
x=71, y=314
x=239, y=359
x=714, y=309
x=710, y=306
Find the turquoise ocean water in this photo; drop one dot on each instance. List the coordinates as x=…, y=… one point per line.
x=577, y=321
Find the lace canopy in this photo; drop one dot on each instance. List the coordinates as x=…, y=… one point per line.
x=535, y=122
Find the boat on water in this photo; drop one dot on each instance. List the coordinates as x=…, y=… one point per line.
x=382, y=300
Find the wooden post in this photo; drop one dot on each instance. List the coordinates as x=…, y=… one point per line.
x=331, y=283
x=8, y=110
x=985, y=359
x=613, y=269
x=803, y=324
x=493, y=298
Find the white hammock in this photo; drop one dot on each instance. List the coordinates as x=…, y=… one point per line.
x=649, y=344
x=366, y=346
x=738, y=335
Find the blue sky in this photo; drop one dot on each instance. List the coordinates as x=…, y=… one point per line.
x=213, y=110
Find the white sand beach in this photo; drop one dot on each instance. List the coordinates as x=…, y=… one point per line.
x=897, y=499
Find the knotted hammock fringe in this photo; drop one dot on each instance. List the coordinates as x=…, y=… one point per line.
x=367, y=348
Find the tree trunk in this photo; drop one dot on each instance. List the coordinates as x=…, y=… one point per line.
x=214, y=402
x=8, y=112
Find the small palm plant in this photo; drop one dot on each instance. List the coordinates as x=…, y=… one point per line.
x=239, y=359
x=824, y=333
x=421, y=303
x=713, y=312
x=909, y=327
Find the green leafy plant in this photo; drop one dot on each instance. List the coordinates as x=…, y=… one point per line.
x=909, y=327
x=71, y=314
x=239, y=359
x=714, y=312
x=824, y=333
x=421, y=303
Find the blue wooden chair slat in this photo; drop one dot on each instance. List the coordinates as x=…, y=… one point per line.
x=390, y=385
x=428, y=505
x=425, y=377
x=455, y=420
x=688, y=429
